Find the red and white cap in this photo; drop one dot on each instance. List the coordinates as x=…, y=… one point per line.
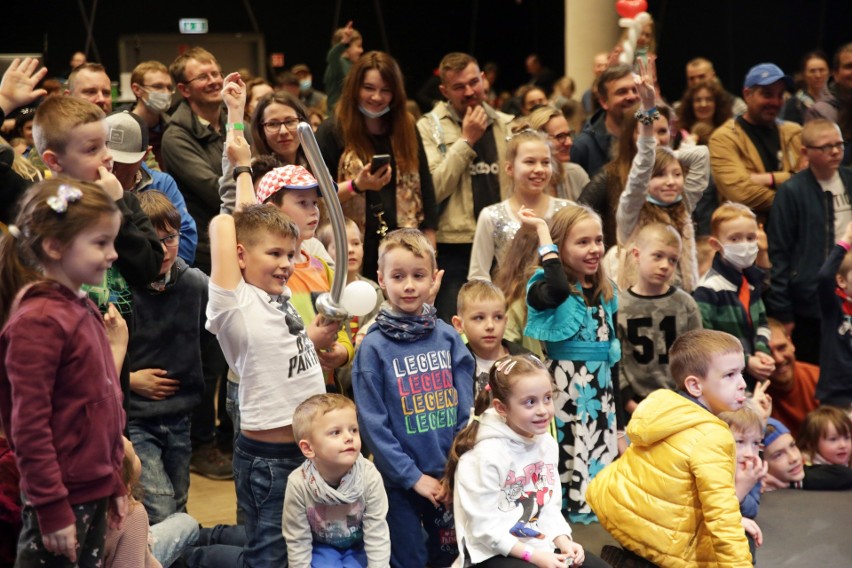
x=285, y=177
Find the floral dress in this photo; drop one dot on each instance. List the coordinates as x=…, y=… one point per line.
x=582, y=348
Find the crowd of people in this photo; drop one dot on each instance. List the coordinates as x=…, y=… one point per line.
x=624, y=322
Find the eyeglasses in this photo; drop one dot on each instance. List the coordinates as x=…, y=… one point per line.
x=171, y=241
x=162, y=87
x=563, y=136
x=828, y=148
x=274, y=126
x=206, y=78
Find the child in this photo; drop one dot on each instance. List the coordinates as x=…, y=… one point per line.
x=264, y=341
x=60, y=400
x=825, y=437
x=137, y=543
x=728, y=296
x=413, y=382
x=788, y=470
x=652, y=314
x=335, y=506
x=358, y=325
x=528, y=165
x=166, y=379
x=670, y=498
x=835, y=303
x=512, y=278
x=482, y=320
x=802, y=227
x=747, y=427
x=346, y=48
x=503, y=473
x=572, y=309
x=662, y=187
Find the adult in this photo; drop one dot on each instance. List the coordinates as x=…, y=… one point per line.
x=705, y=106
x=77, y=59
x=153, y=88
x=792, y=385
x=194, y=139
x=568, y=179
x=192, y=153
x=755, y=152
x=540, y=76
x=589, y=100
x=810, y=213
x=814, y=78
x=128, y=142
x=256, y=89
x=90, y=81
x=309, y=96
x=531, y=97
x=837, y=105
x=465, y=141
x=371, y=119
x=618, y=96
x=701, y=69
x=604, y=189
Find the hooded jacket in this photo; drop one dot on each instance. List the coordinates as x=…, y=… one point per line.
x=670, y=498
x=507, y=491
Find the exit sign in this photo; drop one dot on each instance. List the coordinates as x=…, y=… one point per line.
x=193, y=25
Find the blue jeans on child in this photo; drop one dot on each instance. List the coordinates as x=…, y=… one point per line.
x=409, y=515
x=261, y=470
x=232, y=407
x=163, y=445
x=325, y=556
x=169, y=537
x=217, y=547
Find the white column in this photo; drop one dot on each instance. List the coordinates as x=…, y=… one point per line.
x=591, y=26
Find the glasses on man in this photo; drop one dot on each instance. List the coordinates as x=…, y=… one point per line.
x=273, y=126
x=206, y=77
x=171, y=241
x=161, y=87
x=829, y=148
x=562, y=137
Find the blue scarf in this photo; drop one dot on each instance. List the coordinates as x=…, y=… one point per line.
x=406, y=327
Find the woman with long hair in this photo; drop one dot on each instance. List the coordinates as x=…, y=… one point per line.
x=371, y=119
x=705, y=106
x=568, y=179
x=813, y=81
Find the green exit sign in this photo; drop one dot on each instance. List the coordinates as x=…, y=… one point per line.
x=193, y=25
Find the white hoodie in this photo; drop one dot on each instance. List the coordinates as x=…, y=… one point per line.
x=507, y=491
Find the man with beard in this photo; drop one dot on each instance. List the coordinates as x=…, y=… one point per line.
x=792, y=385
x=753, y=153
x=465, y=141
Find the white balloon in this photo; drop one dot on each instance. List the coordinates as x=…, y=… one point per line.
x=358, y=298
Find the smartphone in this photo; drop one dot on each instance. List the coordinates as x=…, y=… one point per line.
x=378, y=162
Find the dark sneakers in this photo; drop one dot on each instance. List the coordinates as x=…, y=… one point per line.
x=209, y=461
x=618, y=557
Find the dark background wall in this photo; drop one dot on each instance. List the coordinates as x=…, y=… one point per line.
x=735, y=34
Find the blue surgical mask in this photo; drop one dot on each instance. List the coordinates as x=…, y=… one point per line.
x=659, y=203
x=371, y=114
x=305, y=84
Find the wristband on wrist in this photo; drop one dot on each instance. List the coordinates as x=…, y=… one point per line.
x=354, y=188
x=527, y=555
x=844, y=244
x=647, y=117
x=241, y=170
x=772, y=180
x=547, y=249
x=235, y=126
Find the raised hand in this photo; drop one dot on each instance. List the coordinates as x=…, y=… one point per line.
x=234, y=93
x=17, y=87
x=645, y=81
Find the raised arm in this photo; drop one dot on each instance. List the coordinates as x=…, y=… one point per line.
x=17, y=87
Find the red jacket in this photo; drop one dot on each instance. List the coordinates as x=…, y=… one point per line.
x=60, y=403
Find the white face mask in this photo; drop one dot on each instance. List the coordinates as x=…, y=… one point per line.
x=158, y=102
x=371, y=114
x=740, y=255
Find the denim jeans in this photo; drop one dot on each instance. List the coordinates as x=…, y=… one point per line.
x=169, y=537
x=261, y=470
x=217, y=547
x=409, y=515
x=232, y=406
x=163, y=445
x=325, y=556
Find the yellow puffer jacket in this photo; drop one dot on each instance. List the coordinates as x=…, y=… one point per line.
x=670, y=498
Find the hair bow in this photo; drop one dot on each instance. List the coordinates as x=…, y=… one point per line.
x=64, y=195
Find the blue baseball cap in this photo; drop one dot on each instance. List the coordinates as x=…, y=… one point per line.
x=765, y=74
x=774, y=430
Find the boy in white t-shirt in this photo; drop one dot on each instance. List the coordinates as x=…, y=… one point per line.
x=265, y=343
